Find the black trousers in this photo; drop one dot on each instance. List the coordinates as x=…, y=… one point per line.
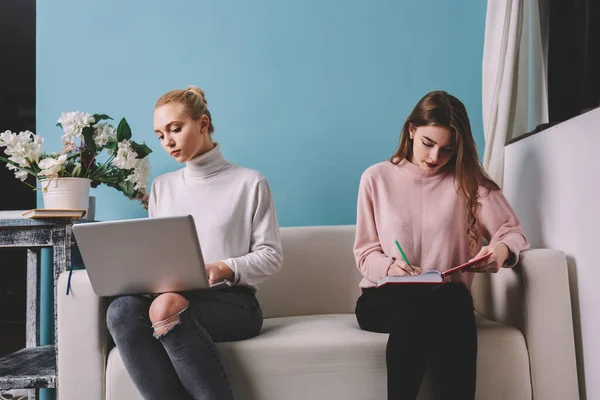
x=426, y=325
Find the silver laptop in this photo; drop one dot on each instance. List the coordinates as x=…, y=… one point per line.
x=142, y=256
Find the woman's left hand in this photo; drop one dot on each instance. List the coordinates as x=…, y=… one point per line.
x=218, y=271
x=500, y=253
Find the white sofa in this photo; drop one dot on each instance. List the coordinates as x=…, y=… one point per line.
x=312, y=348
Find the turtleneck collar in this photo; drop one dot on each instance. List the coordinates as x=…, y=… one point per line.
x=417, y=172
x=207, y=164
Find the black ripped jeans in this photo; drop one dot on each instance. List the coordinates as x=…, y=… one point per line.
x=184, y=363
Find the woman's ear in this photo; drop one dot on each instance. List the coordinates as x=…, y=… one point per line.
x=204, y=123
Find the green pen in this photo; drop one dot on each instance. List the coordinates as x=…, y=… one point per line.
x=403, y=255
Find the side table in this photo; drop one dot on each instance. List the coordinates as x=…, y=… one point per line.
x=34, y=366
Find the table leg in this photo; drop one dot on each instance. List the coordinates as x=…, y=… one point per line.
x=61, y=262
x=33, y=297
x=32, y=317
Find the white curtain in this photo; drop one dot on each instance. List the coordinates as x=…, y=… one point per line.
x=515, y=94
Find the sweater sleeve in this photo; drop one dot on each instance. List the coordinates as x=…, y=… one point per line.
x=370, y=259
x=501, y=225
x=152, y=200
x=266, y=256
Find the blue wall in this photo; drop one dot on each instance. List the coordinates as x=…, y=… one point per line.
x=308, y=92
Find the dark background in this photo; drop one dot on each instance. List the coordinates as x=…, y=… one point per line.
x=17, y=113
x=573, y=58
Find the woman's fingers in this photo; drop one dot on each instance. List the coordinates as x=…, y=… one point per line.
x=484, y=251
x=398, y=270
x=416, y=270
x=489, y=265
x=402, y=268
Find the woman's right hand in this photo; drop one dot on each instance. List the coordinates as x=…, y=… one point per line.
x=399, y=268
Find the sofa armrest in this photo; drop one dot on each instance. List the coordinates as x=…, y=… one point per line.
x=534, y=297
x=81, y=339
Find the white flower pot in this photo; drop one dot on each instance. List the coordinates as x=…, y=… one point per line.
x=69, y=193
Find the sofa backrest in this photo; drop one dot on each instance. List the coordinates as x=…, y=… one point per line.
x=319, y=274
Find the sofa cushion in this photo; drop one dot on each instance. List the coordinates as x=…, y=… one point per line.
x=316, y=260
x=329, y=357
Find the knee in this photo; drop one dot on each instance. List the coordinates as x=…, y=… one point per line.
x=455, y=297
x=123, y=312
x=164, y=311
x=167, y=305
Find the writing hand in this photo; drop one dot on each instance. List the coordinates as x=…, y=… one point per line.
x=400, y=268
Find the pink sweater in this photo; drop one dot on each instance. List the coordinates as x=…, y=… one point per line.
x=429, y=219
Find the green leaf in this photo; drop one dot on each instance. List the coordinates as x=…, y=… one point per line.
x=59, y=124
x=126, y=188
x=111, y=146
x=123, y=131
x=28, y=170
x=76, y=171
x=100, y=117
x=141, y=149
x=88, y=136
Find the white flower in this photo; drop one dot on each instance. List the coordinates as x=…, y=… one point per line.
x=19, y=173
x=8, y=139
x=18, y=159
x=33, y=150
x=126, y=157
x=24, y=148
x=73, y=123
x=140, y=174
x=50, y=167
x=104, y=134
x=14, y=143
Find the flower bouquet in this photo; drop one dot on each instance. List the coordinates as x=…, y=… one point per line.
x=92, y=149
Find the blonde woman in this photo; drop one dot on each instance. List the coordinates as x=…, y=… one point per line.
x=168, y=342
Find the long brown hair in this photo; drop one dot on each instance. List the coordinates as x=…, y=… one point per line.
x=444, y=110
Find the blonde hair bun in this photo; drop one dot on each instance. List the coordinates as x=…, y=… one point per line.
x=193, y=101
x=198, y=92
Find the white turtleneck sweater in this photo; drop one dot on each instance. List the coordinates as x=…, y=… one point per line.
x=233, y=211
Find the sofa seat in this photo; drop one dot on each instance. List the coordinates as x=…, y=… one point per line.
x=311, y=347
x=330, y=357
